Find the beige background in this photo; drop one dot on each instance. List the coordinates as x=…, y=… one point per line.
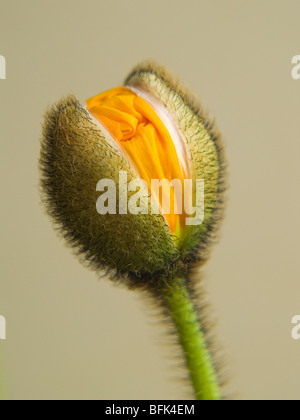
x=71, y=336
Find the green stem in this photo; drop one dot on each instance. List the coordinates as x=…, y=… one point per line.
x=198, y=360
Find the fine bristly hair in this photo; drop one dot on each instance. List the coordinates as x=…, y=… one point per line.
x=137, y=251
x=76, y=154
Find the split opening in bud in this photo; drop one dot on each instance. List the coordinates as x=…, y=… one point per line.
x=144, y=130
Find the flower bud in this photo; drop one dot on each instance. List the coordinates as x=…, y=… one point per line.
x=103, y=165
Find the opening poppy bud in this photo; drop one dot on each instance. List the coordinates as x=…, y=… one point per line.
x=134, y=179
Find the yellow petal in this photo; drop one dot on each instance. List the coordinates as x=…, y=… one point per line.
x=145, y=140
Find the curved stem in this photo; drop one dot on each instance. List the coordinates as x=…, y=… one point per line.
x=198, y=360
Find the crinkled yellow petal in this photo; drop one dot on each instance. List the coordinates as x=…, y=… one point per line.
x=146, y=141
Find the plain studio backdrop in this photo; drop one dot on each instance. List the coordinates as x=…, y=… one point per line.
x=73, y=336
